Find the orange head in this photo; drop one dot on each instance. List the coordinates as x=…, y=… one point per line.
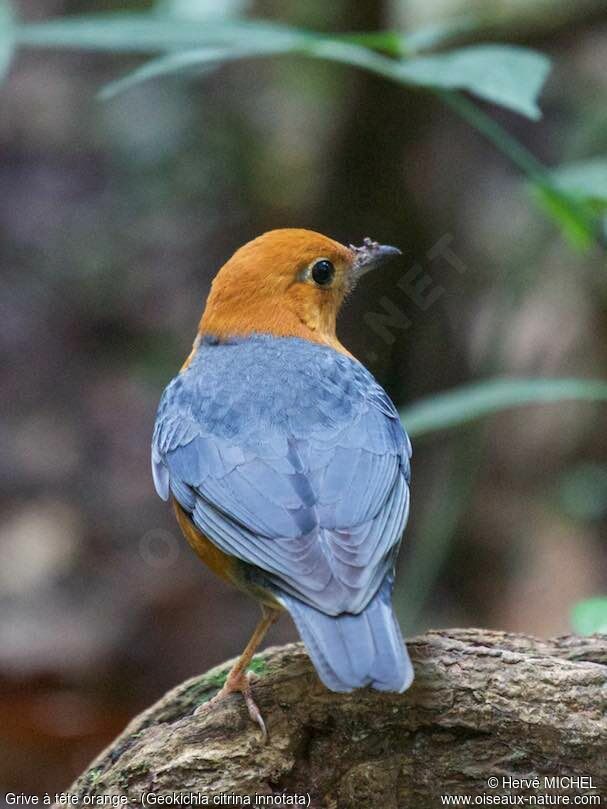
x=289, y=283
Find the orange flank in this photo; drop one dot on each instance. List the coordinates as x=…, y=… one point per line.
x=226, y=567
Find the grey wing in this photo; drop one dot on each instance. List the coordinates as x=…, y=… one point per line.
x=320, y=517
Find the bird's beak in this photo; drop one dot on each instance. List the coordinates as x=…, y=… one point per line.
x=370, y=256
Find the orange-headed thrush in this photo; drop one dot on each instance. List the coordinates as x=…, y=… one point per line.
x=286, y=461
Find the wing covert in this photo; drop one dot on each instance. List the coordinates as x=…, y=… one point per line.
x=309, y=484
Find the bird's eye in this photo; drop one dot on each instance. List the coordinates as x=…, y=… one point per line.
x=323, y=272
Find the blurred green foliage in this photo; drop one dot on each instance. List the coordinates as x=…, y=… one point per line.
x=504, y=75
x=583, y=492
x=7, y=40
x=586, y=179
x=590, y=616
x=473, y=402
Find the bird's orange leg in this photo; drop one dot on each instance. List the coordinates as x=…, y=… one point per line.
x=238, y=679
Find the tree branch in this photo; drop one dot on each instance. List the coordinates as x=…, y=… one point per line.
x=483, y=703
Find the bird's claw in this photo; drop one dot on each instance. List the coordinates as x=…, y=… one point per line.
x=255, y=713
x=240, y=683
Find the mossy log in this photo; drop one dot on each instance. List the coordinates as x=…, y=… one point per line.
x=483, y=704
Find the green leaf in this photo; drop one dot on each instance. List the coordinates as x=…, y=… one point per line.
x=575, y=216
x=398, y=43
x=590, y=616
x=506, y=75
x=179, y=62
x=7, y=36
x=473, y=402
x=311, y=46
x=391, y=42
x=586, y=179
x=467, y=69
x=149, y=33
x=200, y=9
x=502, y=74
x=173, y=63
x=510, y=76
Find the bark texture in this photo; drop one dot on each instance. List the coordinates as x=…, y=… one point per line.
x=483, y=704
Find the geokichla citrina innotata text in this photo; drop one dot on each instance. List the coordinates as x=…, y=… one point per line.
x=286, y=461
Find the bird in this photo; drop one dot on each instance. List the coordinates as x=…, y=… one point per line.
x=286, y=462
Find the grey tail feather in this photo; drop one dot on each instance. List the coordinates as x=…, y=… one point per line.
x=352, y=651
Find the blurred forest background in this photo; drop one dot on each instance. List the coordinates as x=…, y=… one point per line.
x=116, y=214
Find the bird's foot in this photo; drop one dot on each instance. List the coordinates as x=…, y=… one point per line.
x=241, y=682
